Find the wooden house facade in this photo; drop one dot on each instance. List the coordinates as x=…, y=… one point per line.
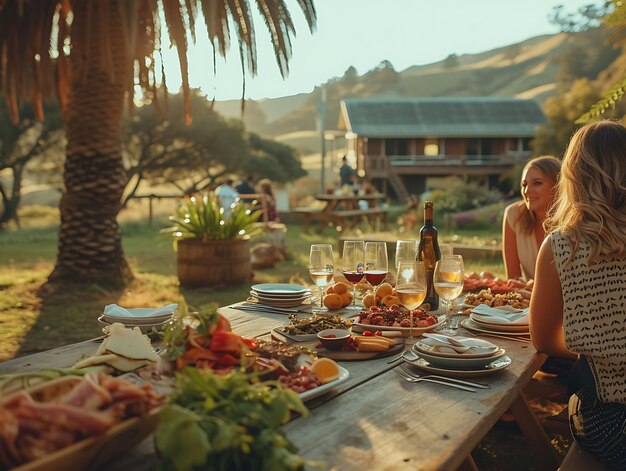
x=399, y=143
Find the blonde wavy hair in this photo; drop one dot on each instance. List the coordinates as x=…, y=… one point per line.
x=549, y=167
x=591, y=193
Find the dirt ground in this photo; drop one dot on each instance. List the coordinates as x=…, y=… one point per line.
x=506, y=449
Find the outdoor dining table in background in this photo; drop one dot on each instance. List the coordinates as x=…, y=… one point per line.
x=375, y=420
x=344, y=210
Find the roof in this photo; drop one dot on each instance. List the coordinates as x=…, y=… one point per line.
x=441, y=117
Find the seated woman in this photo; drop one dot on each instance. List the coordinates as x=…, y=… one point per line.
x=522, y=225
x=578, y=305
x=267, y=191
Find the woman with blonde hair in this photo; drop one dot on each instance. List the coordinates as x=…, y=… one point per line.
x=578, y=305
x=522, y=225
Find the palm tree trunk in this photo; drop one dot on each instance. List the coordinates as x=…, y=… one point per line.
x=90, y=247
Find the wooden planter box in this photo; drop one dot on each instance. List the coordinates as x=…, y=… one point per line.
x=214, y=262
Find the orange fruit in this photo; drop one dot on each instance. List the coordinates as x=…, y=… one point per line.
x=384, y=290
x=341, y=288
x=333, y=301
x=330, y=290
x=325, y=369
x=369, y=300
x=346, y=297
x=390, y=301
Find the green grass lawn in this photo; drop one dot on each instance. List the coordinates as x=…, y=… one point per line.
x=28, y=324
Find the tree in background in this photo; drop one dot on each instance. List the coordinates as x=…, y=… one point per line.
x=561, y=112
x=273, y=160
x=92, y=55
x=20, y=144
x=161, y=150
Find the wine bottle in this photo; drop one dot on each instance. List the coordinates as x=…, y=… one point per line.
x=428, y=252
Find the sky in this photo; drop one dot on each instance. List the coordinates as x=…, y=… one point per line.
x=362, y=33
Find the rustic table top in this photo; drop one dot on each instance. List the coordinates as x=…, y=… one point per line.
x=374, y=420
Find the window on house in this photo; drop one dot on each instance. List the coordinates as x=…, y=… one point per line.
x=486, y=147
x=472, y=146
x=526, y=143
x=431, y=147
x=396, y=147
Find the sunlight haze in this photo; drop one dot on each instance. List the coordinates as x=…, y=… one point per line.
x=363, y=33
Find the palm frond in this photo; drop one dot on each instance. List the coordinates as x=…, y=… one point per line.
x=608, y=100
x=36, y=42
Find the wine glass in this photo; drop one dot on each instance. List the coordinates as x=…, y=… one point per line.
x=352, y=265
x=448, y=281
x=406, y=251
x=321, y=267
x=376, y=263
x=411, y=287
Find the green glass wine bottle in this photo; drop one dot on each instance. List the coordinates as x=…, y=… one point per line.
x=428, y=252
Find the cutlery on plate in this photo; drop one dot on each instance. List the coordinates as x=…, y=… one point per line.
x=406, y=355
x=505, y=337
x=455, y=344
x=412, y=373
x=412, y=379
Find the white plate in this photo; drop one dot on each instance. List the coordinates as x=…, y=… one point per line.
x=280, y=298
x=415, y=330
x=140, y=313
x=145, y=328
x=459, y=363
x=289, y=303
x=136, y=320
x=277, y=289
x=521, y=329
x=475, y=327
x=491, y=368
x=324, y=388
x=435, y=349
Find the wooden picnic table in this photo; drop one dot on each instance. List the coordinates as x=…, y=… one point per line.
x=375, y=420
x=344, y=210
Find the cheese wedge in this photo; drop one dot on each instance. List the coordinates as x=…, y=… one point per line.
x=129, y=343
x=94, y=360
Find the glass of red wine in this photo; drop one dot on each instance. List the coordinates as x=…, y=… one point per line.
x=376, y=262
x=352, y=263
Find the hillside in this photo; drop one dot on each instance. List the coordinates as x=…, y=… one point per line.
x=529, y=69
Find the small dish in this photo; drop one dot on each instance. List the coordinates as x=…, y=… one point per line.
x=333, y=339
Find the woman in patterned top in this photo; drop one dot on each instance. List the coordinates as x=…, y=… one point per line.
x=584, y=260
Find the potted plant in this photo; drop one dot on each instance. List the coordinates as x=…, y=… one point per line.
x=212, y=249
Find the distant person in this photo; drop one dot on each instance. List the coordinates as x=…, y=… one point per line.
x=522, y=225
x=246, y=187
x=227, y=196
x=267, y=192
x=345, y=172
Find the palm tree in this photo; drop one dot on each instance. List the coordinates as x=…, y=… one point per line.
x=91, y=54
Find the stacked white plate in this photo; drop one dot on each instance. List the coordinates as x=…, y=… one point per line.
x=461, y=356
x=500, y=320
x=144, y=318
x=280, y=294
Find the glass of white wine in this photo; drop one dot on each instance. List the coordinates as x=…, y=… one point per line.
x=448, y=281
x=321, y=268
x=406, y=251
x=411, y=287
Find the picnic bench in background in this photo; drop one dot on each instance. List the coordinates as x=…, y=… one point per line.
x=344, y=211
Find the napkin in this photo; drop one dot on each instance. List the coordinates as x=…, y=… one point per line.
x=510, y=315
x=476, y=345
x=119, y=311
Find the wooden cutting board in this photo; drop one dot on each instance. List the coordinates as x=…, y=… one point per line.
x=342, y=355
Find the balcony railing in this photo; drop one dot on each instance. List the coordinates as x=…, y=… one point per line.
x=468, y=160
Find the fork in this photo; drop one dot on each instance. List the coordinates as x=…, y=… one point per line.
x=412, y=373
x=411, y=379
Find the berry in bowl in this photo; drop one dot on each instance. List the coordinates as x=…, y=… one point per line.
x=333, y=339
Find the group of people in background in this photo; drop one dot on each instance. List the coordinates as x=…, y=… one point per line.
x=568, y=234
x=228, y=194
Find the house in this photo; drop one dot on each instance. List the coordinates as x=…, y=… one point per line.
x=400, y=142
